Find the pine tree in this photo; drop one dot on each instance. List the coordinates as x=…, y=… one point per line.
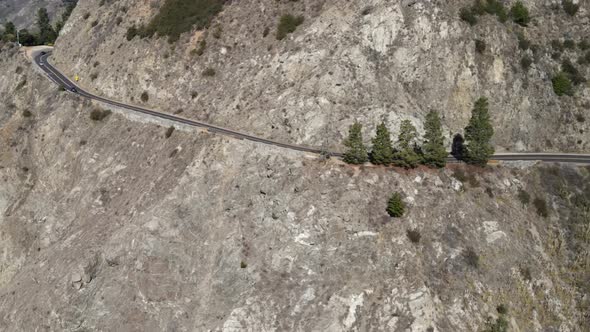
x=396, y=206
x=46, y=32
x=434, y=150
x=356, y=152
x=520, y=14
x=9, y=33
x=478, y=134
x=407, y=156
x=382, y=153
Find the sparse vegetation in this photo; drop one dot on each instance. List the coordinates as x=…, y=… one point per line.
x=468, y=15
x=570, y=7
x=288, y=24
x=524, y=197
x=179, y=16
x=541, y=207
x=208, y=72
x=502, y=309
x=480, y=46
x=526, y=62
x=499, y=325
x=523, y=43
x=395, y=206
x=572, y=72
x=27, y=114
x=413, y=235
x=471, y=257
x=201, y=48
x=569, y=44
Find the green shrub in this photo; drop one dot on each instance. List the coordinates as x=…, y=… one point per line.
x=243, y=265
x=201, y=48
x=502, y=309
x=86, y=16
x=144, y=97
x=584, y=44
x=98, y=114
x=132, y=32
x=584, y=59
x=496, y=7
x=520, y=14
x=471, y=257
x=523, y=43
x=526, y=62
x=395, y=206
x=556, y=45
x=217, y=32
x=94, y=23
x=580, y=118
x=562, y=85
x=27, y=114
x=480, y=46
x=179, y=16
x=570, y=7
x=169, y=132
x=524, y=197
x=209, y=72
x=572, y=72
x=413, y=235
x=541, y=207
x=500, y=325
x=288, y=24
x=569, y=44
x=468, y=15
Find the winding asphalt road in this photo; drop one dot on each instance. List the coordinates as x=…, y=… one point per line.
x=56, y=76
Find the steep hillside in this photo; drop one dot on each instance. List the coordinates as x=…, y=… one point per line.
x=109, y=225
x=347, y=61
x=111, y=221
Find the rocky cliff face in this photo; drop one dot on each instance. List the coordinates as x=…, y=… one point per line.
x=109, y=225
x=348, y=61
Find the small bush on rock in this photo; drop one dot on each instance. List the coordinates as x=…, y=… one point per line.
x=541, y=207
x=562, y=85
x=471, y=257
x=144, y=97
x=570, y=7
x=395, y=206
x=288, y=24
x=413, y=235
x=520, y=14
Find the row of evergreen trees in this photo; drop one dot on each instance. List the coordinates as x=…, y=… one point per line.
x=408, y=154
x=45, y=34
